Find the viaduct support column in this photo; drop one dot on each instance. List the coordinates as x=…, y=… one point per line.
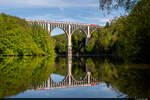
x=88, y=75
x=48, y=83
x=48, y=28
x=86, y=41
x=69, y=44
x=69, y=66
x=88, y=36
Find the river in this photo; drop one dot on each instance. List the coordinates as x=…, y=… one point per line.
x=72, y=77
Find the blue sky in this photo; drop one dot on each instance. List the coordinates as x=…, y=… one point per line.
x=79, y=11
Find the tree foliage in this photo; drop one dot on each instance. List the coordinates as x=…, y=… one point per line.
x=60, y=44
x=17, y=37
x=130, y=79
x=134, y=36
x=20, y=74
x=109, y=5
x=127, y=36
x=78, y=42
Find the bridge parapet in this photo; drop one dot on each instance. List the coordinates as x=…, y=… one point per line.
x=58, y=22
x=61, y=22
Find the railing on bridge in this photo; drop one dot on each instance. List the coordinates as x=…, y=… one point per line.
x=61, y=22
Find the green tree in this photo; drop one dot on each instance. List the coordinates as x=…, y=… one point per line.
x=134, y=37
x=108, y=5
x=61, y=44
x=18, y=37
x=78, y=42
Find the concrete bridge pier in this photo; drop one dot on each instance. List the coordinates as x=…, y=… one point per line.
x=69, y=44
x=69, y=66
x=88, y=36
x=88, y=74
x=48, y=28
x=89, y=77
x=86, y=41
x=48, y=82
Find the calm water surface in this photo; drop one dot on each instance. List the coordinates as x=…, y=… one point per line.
x=72, y=77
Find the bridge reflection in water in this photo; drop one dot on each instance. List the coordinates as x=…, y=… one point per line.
x=69, y=80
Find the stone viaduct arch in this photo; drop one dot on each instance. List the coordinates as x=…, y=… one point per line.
x=68, y=28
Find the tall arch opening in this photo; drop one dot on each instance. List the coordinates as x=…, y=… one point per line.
x=78, y=68
x=78, y=42
x=57, y=31
x=93, y=46
x=91, y=64
x=60, y=69
x=60, y=38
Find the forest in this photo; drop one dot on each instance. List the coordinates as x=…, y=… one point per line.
x=18, y=37
x=127, y=37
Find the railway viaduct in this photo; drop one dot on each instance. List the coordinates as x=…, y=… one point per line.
x=69, y=29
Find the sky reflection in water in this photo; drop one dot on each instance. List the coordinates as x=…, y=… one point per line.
x=99, y=91
x=21, y=78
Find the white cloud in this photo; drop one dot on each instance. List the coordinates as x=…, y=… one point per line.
x=82, y=13
x=53, y=17
x=104, y=19
x=48, y=3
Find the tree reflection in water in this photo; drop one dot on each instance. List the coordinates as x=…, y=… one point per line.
x=20, y=74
